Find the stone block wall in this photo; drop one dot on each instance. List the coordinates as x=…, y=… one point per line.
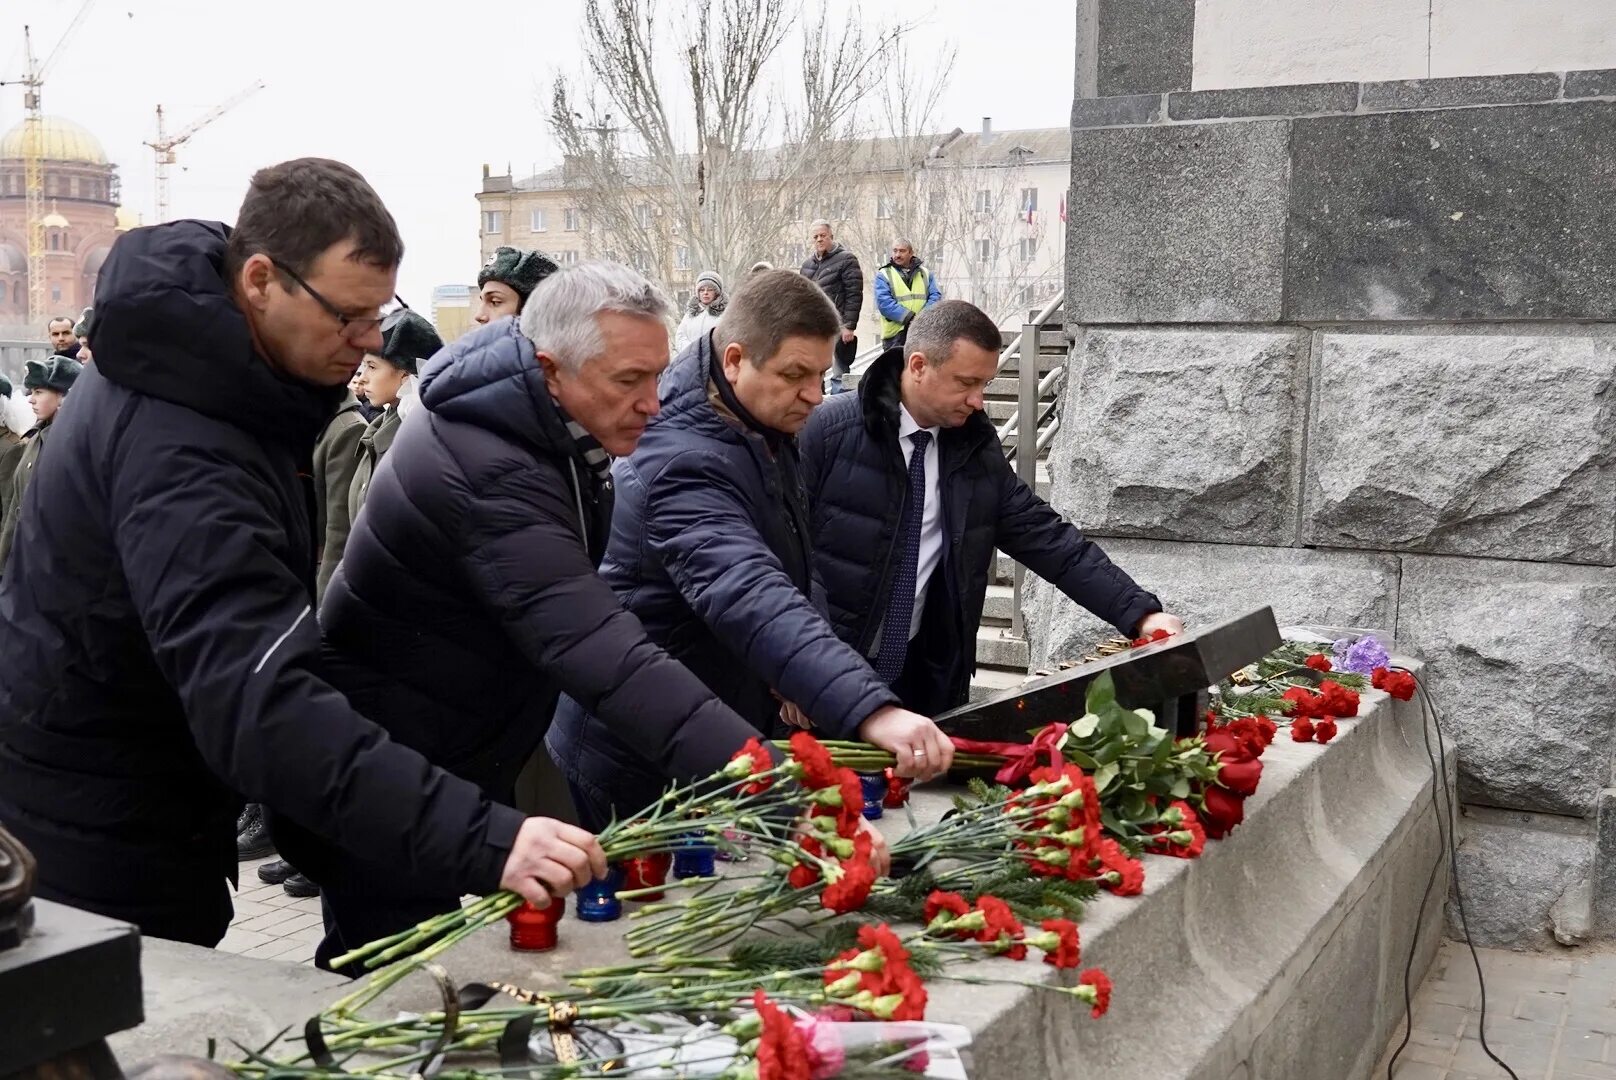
x=1350, y=349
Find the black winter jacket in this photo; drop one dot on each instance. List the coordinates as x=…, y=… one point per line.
x=157, y=637
x=467, y=599
x=839, y=274
x=709, y=548
x=858, y=483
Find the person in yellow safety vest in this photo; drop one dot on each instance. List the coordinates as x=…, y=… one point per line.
x=903, y=289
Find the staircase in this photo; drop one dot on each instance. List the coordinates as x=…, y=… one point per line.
x=1002, y=655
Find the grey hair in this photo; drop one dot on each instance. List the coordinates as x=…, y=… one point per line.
x=559, y=316
x=817, y=222
x=901, y=242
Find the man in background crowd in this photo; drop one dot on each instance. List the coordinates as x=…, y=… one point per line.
x=834, y=269
x=903, y=289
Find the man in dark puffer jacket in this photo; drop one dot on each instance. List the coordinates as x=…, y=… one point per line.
x=467, y=597
x=857, y=453
x=710, y=550
x=157, y=631
x=836, y=270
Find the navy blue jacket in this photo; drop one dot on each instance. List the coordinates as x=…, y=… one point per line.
x=467, y=598
x=709, y=548
x=858, y=483
x=159, y=650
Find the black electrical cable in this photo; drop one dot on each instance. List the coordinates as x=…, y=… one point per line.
x=1448, y=846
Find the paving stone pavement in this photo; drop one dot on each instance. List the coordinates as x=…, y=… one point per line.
x=1550, y=1016
x=269, y=924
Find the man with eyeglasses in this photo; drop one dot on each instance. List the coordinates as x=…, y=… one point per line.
x=157, y=629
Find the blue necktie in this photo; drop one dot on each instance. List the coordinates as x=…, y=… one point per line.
x=901, y=600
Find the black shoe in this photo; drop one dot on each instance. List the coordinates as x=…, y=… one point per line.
x=252, y=834
x=298, y=885
x=275, y=873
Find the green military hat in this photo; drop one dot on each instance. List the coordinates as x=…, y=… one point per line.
x=408, y=339
x=81, y=329
x=521, y=270
x=57, y=373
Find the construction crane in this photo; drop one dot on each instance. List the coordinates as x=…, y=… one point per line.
x=165, y=144
x=33, y=156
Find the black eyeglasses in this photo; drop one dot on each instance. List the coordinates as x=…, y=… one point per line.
x=349, y=327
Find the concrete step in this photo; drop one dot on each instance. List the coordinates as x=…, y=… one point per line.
x=995, y=646
x=997, y=608
x=989, y=681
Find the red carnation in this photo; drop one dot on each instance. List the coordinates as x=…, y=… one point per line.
x=758, y=762
x=1130, y=873
x=1101, y=997
x=1302, y=730
x=850, y=810
x=1303, y=702
x=1162, y=843
x=1068, y=952
x=939, y=901
x=818, y=770
x=1003, y=930
x=1338, y=700
x=1155, y=636
x=1221, y=811
x=1320, y=662
x=854, y=882
x=1267, y=728
x=1324, y=730
x=782, y=1052
x=1399, y=684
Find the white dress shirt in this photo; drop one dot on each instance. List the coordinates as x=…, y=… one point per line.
x=931, y=518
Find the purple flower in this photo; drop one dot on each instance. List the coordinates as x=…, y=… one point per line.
x=1362, y=656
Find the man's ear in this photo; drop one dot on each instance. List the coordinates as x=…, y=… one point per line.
x=254, y=280
x=734, y=356
x=548, y=365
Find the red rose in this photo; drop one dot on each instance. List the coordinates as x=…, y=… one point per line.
x=1302, y=730
x=818, y=770
x=1101, y=982
x=1324, y=730
x=1221, y=811
x=1320, y=662
x=1240, y=777
x=782, y=1052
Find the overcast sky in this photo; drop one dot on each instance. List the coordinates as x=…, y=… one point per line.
x=417, y=102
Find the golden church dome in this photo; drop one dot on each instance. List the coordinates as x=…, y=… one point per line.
x=62, y=139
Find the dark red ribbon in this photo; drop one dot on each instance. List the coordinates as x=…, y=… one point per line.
x=1020, y=758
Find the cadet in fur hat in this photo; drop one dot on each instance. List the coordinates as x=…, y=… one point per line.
x=507, y=279
x=47, y=383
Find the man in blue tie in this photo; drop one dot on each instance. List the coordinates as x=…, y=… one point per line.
x=911, y=494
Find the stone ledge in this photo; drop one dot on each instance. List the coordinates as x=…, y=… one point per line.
x=1587, y=84
x=1464, y=90
x=1124, y=111
x=1279, y=953
x=1302, y=100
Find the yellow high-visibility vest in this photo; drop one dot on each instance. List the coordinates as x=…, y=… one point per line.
x=911, y=296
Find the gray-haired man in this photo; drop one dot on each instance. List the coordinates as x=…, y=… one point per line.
x=467, y=598
x=836, y=270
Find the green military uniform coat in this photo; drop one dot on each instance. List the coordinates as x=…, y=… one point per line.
x=336, y=459
x=375, y=442
x=17, y=484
